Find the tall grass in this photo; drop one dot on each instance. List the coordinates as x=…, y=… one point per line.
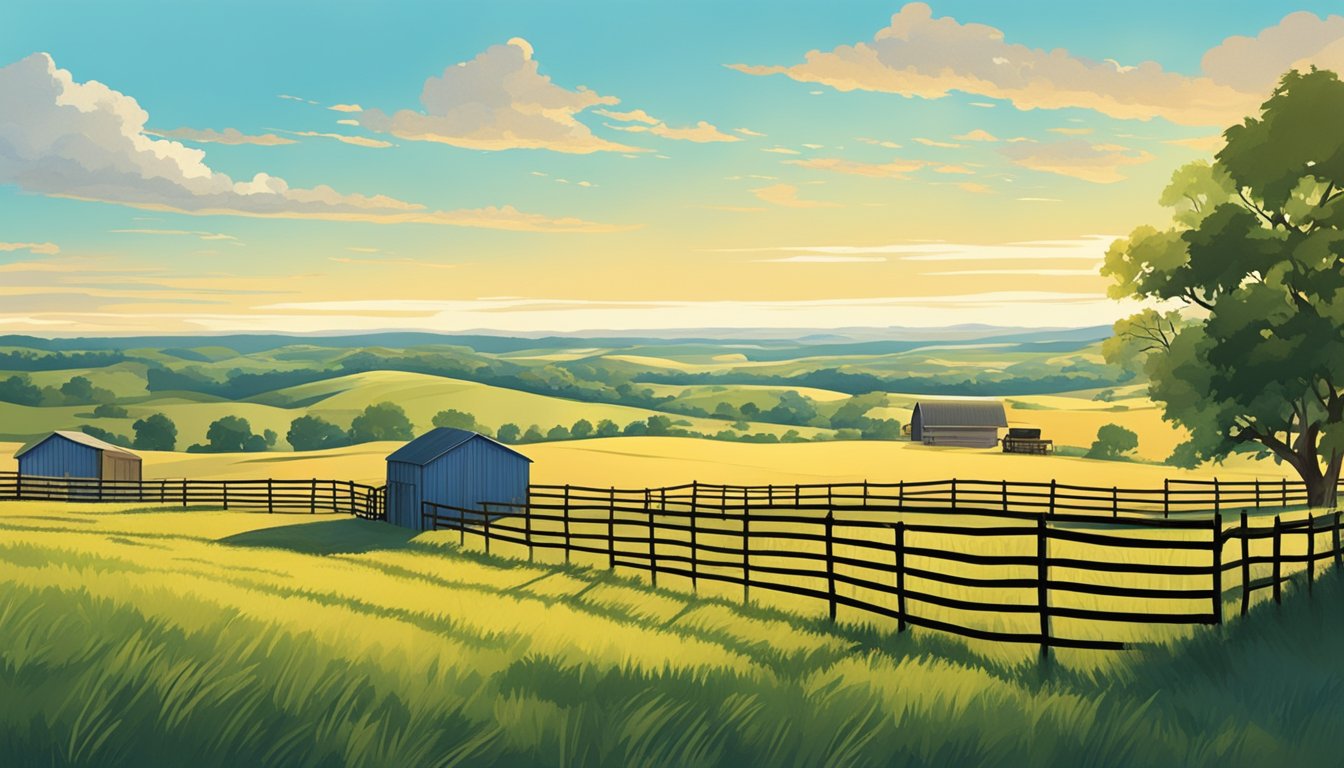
x=141, y=638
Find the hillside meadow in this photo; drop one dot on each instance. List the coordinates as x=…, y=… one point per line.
x=135, y=636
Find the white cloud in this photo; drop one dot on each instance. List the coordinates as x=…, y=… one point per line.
x=920, y=55
x=1070, y=131
x=633, y=116
x=700, y=133
x=1097, y=163
x=979, y=134
x=880, y=143
x=358, y=141
x=226, y=136
x=781, y=151
x=896, y=169
x=346, y=108
x=957, y=169
x=748, y=132
x=177, y=233
x=86, y=141
x=498, y=100
x=939, y=144
x=37, y=249
x=786, y=195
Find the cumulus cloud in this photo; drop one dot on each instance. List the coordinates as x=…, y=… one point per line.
x=1097, y=163
x=920, y=55
x=346, y=108
x=896, y=169
x=786, y=195
x=86, y=141
x=37, y=249
x=498, y=100
x=226, y=136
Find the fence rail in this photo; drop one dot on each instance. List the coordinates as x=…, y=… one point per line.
x=278, y=496
x=1040, y=563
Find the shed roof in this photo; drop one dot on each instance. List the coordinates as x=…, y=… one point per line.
x=436, y=442
x=962, y=413
x=82, y=439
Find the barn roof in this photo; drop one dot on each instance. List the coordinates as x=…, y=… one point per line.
x=962, y=413
x=82, y=439
x=436, y=442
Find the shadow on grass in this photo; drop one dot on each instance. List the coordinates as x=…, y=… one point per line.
x=346, y=536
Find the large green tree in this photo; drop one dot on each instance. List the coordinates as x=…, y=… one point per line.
x=1247, y=351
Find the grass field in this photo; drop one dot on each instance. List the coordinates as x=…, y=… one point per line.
x=136, y=637
x=633, y=462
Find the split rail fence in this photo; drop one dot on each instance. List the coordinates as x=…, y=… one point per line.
x=1056, y=565
x=277, y=496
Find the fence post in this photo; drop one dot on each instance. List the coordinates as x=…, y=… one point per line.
x=1257, y=493
x=865, y=494
x=312, y=498
x=954, y=494
x=830, y=564
x=1285, y=492
x=1115, y=501
x=695, y=514
x=100, y=489
x=485, y=513
x=270, y=497
x=1335, y=538
x=611, y=529
x=1005, y=495
x=18, y=487
x=1311, y=552
x=900, y=576
x=225, y=484
x=746, y=550
x=1278, y=551
x=1043, y=577
x=1052, y=497
x=184, y=492
x=352, y=498
x=1245, y=565
x=566, y=522
x=527, y=528
x=1217, y=569
x=653, y=541
x=1217, y=497
x=1166, y=497
x=900, y=495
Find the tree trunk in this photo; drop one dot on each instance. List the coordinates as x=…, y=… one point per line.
x=1323, y=488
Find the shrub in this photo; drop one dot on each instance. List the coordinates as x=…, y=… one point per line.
x=1113, y=442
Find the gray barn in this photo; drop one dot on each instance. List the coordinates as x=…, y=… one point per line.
x=454, y=467
x=77, y=455
x=961, y=423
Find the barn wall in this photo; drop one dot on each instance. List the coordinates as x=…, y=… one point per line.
x=964, y=437
x=403, y=494
x=120, y=468
x=474, y=472
x=58, y=457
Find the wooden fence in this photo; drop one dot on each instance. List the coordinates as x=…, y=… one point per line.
x=1049, y=564
x=278, y=496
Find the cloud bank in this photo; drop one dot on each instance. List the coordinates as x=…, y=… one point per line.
x=86, y=141
x=920, y=55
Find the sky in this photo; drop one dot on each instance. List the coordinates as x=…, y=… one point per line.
x=356, y=166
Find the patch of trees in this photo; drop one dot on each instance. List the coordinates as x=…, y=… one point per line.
x=106, y=436
x=382, y=421
x=233, y=434
x=1113, y=443
x=78, y=390
x=1067, y=379
x=156, y=432
x=57, y=361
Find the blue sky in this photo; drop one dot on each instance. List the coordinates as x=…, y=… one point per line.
x=893, y=186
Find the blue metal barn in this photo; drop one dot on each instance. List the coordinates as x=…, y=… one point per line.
x=454, y=467
x=77, y=455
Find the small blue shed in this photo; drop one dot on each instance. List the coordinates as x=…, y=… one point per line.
x=77, y=455
x=454, y=467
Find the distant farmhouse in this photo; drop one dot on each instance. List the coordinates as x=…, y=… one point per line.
x=453, y=467
x=77, y=455
x=960, y=423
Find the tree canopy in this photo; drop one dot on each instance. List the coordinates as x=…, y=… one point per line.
x=1246, y=347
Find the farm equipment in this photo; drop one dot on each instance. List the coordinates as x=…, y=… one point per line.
x=1027, y=440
